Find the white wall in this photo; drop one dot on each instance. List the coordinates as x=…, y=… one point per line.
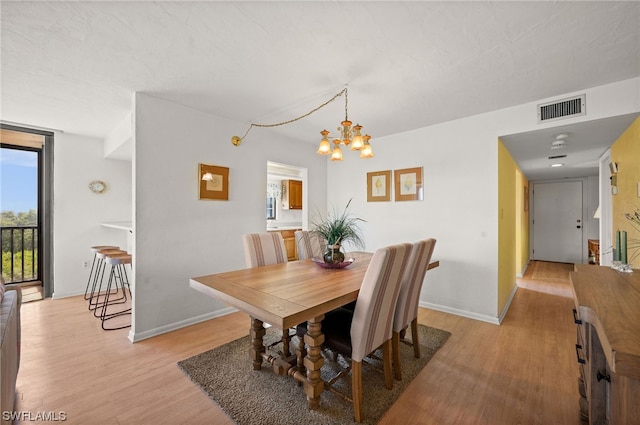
x=119, y=142
x=459, y=161
x=78, y=212
x=591, y=194
x=460, y=194
x=178, y=236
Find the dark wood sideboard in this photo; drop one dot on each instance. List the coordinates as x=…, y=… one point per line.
x=607, y=312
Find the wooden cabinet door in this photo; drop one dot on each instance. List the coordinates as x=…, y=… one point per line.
x=292, y=194
x=295, y=194
x=292, y=253
x=290, y=244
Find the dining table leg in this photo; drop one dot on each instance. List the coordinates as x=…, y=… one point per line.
x=301, y=353
x=256, y=349
x=313, y=386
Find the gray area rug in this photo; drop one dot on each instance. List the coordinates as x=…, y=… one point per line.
x=261, y=397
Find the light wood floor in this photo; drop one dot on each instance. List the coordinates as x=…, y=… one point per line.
x=31, y=293
x=522, y=372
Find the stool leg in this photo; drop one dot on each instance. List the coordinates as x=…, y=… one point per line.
x=94, y=299
x=105, y=297
x=118, y=272
x=86, y=291
x=117, y=276
x=98, y=295
x=126, y=280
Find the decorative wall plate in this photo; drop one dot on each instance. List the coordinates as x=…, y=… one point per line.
x=98, y=186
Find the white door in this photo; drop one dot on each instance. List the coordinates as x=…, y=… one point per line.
x=557, y=222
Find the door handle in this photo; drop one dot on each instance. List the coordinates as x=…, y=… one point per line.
x=578, y=227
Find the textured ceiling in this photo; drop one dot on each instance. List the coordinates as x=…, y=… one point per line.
x=73, y=66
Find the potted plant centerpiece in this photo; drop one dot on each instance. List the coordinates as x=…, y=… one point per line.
x=338, y=229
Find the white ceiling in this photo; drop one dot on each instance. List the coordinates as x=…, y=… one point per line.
x=585, y=143
x=74, y=66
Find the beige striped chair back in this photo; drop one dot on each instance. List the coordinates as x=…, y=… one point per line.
x=309, y=244
x=409, y=298
x=261, y=249
x=373, y=317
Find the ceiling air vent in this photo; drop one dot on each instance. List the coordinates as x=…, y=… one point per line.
x=565, y=108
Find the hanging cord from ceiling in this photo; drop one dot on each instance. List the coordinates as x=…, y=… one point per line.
x=236, y=140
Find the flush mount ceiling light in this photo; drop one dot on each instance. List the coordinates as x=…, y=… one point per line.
x=348, y=135
x=558, y=164
x=560, y=140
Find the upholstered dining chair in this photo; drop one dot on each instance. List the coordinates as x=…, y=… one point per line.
x=309, y=244
x=262, y=249
x=356, y=334
x=407, y=307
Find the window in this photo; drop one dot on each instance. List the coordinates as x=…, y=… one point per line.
x=271, y=208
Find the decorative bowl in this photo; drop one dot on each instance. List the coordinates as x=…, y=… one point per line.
x=341, y=265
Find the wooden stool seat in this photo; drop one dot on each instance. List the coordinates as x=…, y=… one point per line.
x=115, y=259
x=95, y=297
x=97, y=248
x=95, y=265
x=106, y=252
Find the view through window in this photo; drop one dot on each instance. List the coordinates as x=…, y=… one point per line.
x=19, y=213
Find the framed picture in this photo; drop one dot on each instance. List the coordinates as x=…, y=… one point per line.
x=408, y=184
x=379, y=186
x=213, y=182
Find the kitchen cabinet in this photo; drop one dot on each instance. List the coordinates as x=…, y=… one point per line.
x=290, y=243
x=607, y=312
x=593, y=246
x=292, y=194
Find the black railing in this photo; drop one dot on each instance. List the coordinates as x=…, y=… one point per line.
x=19, y=253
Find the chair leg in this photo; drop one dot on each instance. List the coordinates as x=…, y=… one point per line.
x=414, y=338
x=395, y=346
x=356, y=389
x=388, y=367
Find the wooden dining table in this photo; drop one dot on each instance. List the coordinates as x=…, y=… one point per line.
x=285, y=295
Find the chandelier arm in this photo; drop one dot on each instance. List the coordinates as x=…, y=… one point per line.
x=343, y=91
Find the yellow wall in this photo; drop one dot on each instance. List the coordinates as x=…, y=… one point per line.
x=626, y=153
x=513, y=224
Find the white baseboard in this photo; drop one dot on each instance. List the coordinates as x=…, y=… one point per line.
x=59, y=295
x=139, y=336
x=463, y=313
x=508, y=303
x=521, y=274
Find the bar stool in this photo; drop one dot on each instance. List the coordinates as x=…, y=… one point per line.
x=94, y=250
x=118, y=274
x=98, y=278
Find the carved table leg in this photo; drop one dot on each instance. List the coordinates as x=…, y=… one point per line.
x=286, y=340
x=256, y=349
x=301, y=353
x=313, y=361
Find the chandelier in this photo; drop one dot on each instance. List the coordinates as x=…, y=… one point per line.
x=348, y=135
